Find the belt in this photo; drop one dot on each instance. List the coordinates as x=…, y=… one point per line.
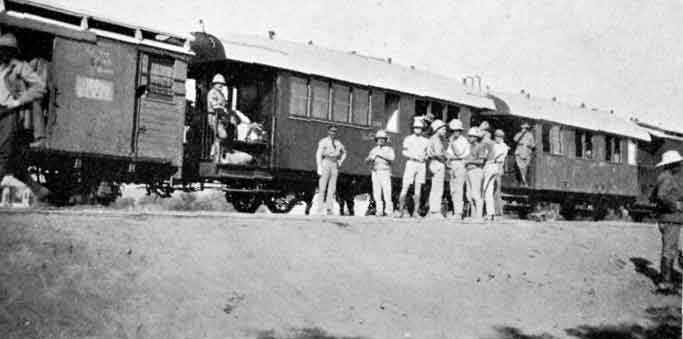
x=416, y=160
x=328, y=157
x=472, y=167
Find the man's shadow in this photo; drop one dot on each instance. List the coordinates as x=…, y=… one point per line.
x=644, y=267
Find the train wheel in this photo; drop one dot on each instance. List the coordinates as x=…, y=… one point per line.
x=245, y=202
x=568, y=210
x=599, y=210
x=281, y=203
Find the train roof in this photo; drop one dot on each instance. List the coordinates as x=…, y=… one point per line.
x=660, y=132
x=44, y=16
x=524, y=105
x=344, y=66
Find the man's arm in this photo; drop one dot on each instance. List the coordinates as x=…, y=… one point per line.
x=342, y=153
x=319, y=154
x=35, y=86
x=665, y=194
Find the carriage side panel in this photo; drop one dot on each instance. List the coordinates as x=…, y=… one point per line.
x=94, y=89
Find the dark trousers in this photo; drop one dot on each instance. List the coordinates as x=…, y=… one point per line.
x=670, y=235
x=8, y=144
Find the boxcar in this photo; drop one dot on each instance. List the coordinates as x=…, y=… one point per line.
x=585, y=160
x=115, y=105
x=295, y=91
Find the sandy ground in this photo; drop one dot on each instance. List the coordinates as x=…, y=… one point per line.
x=107, y=273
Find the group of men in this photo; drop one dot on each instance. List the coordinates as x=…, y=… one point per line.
x=473, y=162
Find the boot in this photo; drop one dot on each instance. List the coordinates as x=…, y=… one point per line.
x=666, y=285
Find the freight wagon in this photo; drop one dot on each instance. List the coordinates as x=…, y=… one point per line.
x=115, y=106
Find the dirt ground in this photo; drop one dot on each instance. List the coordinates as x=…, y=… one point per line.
x=105, y=273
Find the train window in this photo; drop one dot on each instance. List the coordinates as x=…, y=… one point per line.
x=584, y=144
x=341, y=103
x=632, y=152
x=392, y=108
x=545, y=138
x=320, y=99
x=298, y=96
x=159, y=76
x=360, y=106
x=438, y=109
x=421, y=107
x=452, y=112
x=552, y=139
x=612, y=149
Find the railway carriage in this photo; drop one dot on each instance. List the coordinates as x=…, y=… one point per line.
x=114, y=111
x=585, y=160
x=295, y=91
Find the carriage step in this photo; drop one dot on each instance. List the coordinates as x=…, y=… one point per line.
x=250, y=190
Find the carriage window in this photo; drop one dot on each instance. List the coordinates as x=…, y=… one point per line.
x=320, y=99
x=612, y=149
x=556, y=140
x=157, y=74
x=341, y=103
x=437, y=110
x=584, y=144
x=632, y=150
x=298, y=96
x=453, y=112
x=545, y=138
x=421, y=107
x=360, y=106
x=392, y=103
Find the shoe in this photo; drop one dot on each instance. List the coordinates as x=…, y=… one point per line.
x=434, y=215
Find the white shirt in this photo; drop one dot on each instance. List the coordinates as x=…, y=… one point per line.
x=458, y=149
x=415, y=147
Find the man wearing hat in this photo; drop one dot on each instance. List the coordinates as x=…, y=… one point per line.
x=458, y=149
x=474, y=163
x=21, y=86
x=525, y=142
x=436, y=153
x=380, y=158
x=497, y=150
x=668, y=195
x=217, y=106
x=415, y=150
x=329, y=157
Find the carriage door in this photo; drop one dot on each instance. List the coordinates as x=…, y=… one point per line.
x=93, y=89
x=158, y=133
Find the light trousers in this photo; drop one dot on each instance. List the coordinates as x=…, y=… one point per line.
x=438, y=170
x=327, y=184
x=475, y=178
x=381, y=187
x=491, y=172
x=457, y=186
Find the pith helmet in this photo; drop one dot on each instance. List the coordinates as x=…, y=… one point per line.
x=474, y=132
x=499, y=133
x=381, y=134
x=455, y=125
x=436, y=124
x=525, y=125
x=9, y=40
x=218, y=79
x=670, y=157
x=484, y=126
x=418, y=123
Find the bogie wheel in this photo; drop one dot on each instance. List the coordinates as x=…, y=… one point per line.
x=281, y=203
x=245, y=202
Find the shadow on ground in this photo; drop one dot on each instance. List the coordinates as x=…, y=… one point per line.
x=645, y=267
x=304, y=333
x=666, y=324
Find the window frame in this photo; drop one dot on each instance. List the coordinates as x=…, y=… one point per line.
x=146, y=61
x=584, y=137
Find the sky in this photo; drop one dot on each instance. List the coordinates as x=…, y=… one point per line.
x=625, y=55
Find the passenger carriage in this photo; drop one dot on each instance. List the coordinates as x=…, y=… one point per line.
x=585, y=160
x=115, y=104
x=295, y=91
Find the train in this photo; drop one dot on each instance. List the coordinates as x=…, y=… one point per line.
x=129, y=104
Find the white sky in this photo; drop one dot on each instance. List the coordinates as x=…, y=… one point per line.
x=625, y=55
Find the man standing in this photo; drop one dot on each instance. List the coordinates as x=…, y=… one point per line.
x=474, y=163
x=524, y=150
x=216, y=105
x=458, y=149
x=436, y=153
x=415, y=150
x=20, y=85
x=668, y=195
x=500, y=152
x=492, y=173
x=380, y=158
x=329, y=157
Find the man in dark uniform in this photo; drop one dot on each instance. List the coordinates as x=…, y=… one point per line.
x=668, y=195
